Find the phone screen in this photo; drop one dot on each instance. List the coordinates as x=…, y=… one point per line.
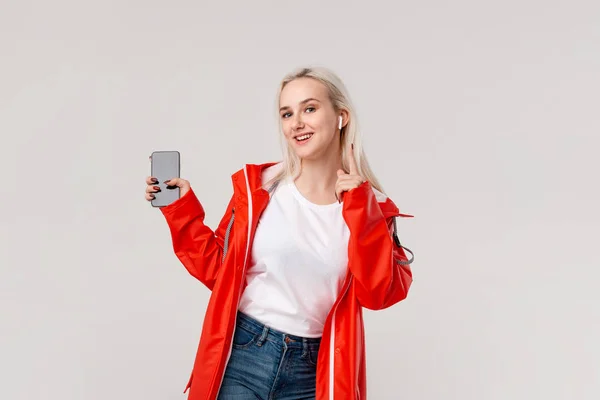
x=165, y=166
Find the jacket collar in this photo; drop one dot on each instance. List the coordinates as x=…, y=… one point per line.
x=255, y=173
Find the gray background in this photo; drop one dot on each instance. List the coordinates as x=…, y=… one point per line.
x=481, y=118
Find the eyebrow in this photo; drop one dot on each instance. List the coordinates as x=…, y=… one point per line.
x=302, y=102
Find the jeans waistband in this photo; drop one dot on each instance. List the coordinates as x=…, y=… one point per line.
x=273, y=335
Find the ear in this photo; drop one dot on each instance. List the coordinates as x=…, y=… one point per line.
x=345, y=116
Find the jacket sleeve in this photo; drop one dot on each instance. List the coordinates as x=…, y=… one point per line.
x=198, y=248
x=379, y=279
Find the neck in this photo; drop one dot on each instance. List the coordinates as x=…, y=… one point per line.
x=320, y=175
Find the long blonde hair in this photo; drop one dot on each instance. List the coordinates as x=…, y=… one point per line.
x=340, y=99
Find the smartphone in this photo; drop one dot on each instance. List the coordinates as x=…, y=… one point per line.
x=165, y=165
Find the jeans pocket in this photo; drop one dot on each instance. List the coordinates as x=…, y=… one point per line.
x=243, y=338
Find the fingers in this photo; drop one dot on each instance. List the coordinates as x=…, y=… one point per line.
x=150, y=189
x=152, y=186
x=352, y=165
x=338, y=192
x=171, y=182
x=346, y=183
x=343, y=187
x=181, y=183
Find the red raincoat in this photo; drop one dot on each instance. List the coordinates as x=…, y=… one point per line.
x=376, y=279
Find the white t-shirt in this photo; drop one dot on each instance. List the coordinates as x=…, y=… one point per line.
x=298, y=263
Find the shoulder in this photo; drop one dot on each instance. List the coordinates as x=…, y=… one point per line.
x=257, y=175
x=270, y=171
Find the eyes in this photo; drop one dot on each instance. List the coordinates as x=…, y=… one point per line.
x=309, y=109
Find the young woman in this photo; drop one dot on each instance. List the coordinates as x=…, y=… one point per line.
x=303, y=246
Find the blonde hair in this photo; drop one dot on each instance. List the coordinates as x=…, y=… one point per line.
x=340, y=99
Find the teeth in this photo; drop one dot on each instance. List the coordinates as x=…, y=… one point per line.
x=304, y=137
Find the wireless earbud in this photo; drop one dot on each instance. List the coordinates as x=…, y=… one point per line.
x=340, y=124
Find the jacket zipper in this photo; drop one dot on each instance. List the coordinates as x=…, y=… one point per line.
x=243, y=269
x=227, y=233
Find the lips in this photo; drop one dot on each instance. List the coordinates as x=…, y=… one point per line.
x=303, y=136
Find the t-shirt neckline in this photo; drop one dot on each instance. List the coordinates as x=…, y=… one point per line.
x=292, y=185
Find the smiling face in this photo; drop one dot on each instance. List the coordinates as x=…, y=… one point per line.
x=309, y=120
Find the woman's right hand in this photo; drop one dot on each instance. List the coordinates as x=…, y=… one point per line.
x=151, y=182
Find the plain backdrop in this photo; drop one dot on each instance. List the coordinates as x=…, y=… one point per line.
x=481, y=118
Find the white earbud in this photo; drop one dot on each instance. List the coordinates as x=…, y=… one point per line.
x=340, y=124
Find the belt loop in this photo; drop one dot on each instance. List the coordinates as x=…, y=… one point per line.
x=304, y=346
x=263, y=336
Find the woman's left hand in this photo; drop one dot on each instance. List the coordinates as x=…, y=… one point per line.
x=352, y=180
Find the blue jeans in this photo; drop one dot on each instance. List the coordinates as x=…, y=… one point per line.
x=267, y=364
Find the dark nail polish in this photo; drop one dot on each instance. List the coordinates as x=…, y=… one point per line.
x=154, y=180
x=156, y=187
x=167, y=181
x=352, y=146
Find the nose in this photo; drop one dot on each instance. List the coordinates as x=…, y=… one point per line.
x=297, y=122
